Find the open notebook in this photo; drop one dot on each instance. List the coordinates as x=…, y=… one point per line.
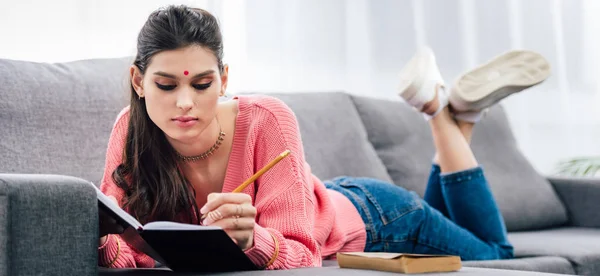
x=179, y=246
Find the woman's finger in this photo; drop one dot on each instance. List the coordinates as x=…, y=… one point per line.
x=214, y=200
x=232, y=210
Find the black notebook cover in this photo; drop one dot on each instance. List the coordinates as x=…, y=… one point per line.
x=198, y=251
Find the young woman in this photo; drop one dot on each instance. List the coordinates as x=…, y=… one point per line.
x=177, y=152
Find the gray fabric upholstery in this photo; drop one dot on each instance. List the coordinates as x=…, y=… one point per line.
x=581, y=197
x=581, y=246
x=56, y=118
x=52, y=225
x=329, y=263
x=542, y=264
x=403, y=141
x=323, y=271
x=4, y=246
x=335, y=141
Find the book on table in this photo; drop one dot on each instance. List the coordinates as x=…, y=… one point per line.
x=179, y=246
x=399, y=262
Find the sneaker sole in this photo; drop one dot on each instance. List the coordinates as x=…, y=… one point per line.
x=504, y=75
x=411, y=74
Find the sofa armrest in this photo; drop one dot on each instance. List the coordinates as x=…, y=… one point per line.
x=581, y=197
x=48, y=225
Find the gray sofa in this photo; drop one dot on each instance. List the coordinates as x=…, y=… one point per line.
x=55, y=120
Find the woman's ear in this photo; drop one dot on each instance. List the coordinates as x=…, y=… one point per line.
x=137, y=80
x=224, y=79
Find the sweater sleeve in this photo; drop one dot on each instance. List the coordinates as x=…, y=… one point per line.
x=114, y=245
x=285, y=196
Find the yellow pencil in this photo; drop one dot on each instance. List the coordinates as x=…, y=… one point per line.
x=257, y=174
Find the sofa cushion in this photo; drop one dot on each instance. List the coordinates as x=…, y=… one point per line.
x=581, y=246
x=404, y=143
x=56, y=118
x=556, y=265
x=334, y=138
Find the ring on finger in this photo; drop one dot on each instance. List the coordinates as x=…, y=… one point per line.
x=215, y=215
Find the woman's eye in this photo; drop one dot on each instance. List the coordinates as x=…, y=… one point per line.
x=165, y=87
x=202, y=86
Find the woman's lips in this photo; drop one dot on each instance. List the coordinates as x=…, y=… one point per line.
x=185, y=121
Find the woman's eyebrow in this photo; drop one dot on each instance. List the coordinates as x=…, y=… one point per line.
x=167, y=75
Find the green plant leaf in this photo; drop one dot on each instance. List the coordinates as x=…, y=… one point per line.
x=579, y=166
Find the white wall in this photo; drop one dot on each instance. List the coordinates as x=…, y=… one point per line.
x=357, y=46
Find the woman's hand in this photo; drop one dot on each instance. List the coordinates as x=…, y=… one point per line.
x=234, y=213
x=107, y=224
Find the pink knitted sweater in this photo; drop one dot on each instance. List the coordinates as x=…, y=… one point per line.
x=310, y=222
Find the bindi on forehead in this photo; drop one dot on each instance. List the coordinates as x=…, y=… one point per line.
x=186, y=72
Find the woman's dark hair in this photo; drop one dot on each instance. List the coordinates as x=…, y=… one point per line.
x=155, y=187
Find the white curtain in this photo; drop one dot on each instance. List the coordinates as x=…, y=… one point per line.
x=357, y=46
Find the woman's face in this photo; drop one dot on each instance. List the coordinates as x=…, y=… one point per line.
x=181, y=89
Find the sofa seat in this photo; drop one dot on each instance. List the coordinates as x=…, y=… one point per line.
x=581, y=246
x=548, y=264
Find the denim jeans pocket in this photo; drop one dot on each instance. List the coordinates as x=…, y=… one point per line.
x=386, y=200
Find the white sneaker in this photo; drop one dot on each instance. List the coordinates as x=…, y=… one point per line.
x=419, y=80
x=495, y=80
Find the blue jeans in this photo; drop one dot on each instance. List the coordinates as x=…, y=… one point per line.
x=458, y=216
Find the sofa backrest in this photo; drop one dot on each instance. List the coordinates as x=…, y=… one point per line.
x=334, y=138
x=56, y=118
x=404, y=143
